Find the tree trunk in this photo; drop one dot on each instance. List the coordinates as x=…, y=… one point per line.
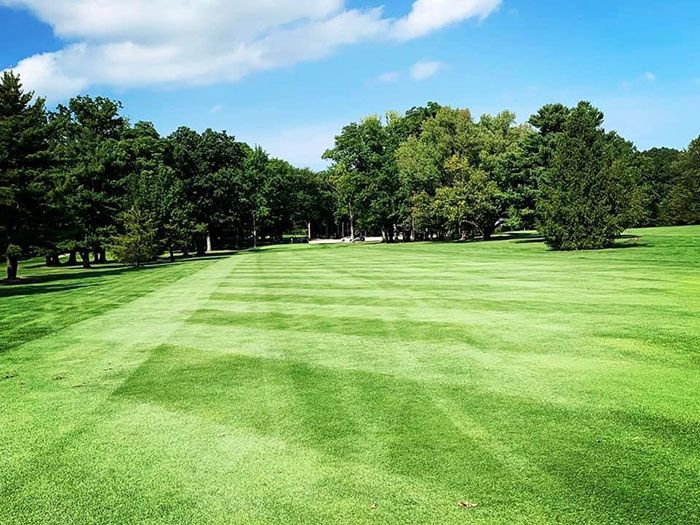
x=352, y=226
x=102, y=259
x=72, y=258
x=96, y=255
x=12, y=265
x=200, y=246
x=208, y=242
x=172, y=254
x=308, y=228
x=85, y=256
x=255, y=233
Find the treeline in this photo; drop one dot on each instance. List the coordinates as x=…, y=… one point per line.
x=437, y=173
x=82, y=180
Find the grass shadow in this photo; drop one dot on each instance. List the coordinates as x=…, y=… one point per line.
x=41, y=283
x=13, y=291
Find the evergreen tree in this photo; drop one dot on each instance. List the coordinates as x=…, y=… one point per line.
x=139, y=243
x=588, y=197
x=25, y=182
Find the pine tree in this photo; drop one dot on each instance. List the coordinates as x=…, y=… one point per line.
x=24, y=180
x=589, y=195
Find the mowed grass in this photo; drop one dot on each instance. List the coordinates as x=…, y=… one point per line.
x=359, y=384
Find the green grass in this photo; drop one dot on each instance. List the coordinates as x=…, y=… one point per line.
x=358, y=384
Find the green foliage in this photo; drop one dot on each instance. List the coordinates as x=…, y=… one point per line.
x=25, y=181
x=13, y=251
x=94, y=167
x=365, y=173
x=475, y=170
x=589, y=197
x=139, y=243
x=657, y=172
x=66, y=178
x=681, y=205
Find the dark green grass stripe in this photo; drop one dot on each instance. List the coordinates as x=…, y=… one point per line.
x=591, y=455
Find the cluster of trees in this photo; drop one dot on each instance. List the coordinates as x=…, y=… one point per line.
x=437, y=173
x=82, y=180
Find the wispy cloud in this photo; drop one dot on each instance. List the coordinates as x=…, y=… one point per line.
x=645, y=78
x=131, y=43
x=388, y=77
x=428, y=15
x=424, y=70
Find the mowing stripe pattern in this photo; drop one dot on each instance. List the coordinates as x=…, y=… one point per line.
x=363, y=384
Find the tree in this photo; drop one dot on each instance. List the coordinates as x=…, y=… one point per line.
x=254, y=194
x=471, y=205
x=25, y=182
x=209, y=166
x=681, y=205
x=365, y=173
x=139, y=244
x=153, y=186
x=658, y=171
x=313, y=201
x=589, y=196
x=503, y=161
x=474, y=170
x=89, y=131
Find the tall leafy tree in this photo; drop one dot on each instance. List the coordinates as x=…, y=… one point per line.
x=153, y=187
x=473, y=169
x=208, y=164
x=25, y=159
x=681, y=205
x=365, y=174
x=658, y=171
x=89, y=131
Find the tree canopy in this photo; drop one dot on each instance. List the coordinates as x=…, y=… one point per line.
x=83, y=180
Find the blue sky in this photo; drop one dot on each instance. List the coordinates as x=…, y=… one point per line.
x=288, y=74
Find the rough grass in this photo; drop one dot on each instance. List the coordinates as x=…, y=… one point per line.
x=359, y=384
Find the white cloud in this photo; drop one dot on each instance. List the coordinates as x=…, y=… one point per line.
x=389, y=77
x=127, y=43
x=428, y=15
x=645, y=78
x=425, y=70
